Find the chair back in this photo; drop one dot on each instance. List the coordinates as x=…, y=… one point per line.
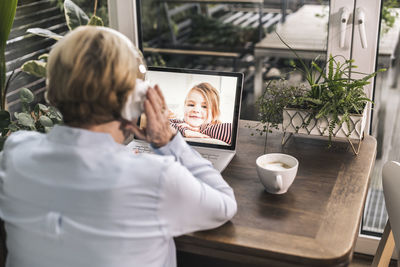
x=391, y=191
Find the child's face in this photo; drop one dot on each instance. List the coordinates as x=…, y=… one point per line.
x=196, y=109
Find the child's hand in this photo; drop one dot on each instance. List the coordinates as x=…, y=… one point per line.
x=194, y=134
x=187, y=126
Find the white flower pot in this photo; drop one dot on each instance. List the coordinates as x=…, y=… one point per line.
x=294, y=121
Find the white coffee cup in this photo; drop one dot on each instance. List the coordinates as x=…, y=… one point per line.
x=277, y=171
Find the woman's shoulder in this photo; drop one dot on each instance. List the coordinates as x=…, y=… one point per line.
x=22, y=137
x=160, y=160
x=148, y=162
x=146, y=168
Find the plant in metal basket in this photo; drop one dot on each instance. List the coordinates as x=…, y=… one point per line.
x=336, y=95
x=332, y=93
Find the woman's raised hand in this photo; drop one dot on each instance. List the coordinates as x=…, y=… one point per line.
x=158, y=131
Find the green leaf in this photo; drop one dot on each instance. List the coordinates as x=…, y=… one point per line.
x=13, y=127
x=44, y=57
x=5, y=120
x=47, y=129
x=45, y=33
x=45, y=121
x=313, y=100
x=7, y=13
x=74, y=15
x=95, y=21
x=42, y=107
x=3, y=70
x=35, y=67
x=25, y=120
x=54, y=114
x=26, y=95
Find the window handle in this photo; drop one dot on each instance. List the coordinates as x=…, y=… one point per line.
x=360, y=15
x=344, y=17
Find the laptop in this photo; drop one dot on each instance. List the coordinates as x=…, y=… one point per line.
x=190, y=95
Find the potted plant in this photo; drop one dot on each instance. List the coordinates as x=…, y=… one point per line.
x=42, y=118
x=330, y=103
x=37, y=117
x=7, y=13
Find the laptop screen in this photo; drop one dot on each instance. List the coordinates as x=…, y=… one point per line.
x=203, y=105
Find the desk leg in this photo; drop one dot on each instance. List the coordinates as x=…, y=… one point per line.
x=258, y=79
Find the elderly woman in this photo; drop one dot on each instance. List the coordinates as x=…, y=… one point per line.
x=76, y=196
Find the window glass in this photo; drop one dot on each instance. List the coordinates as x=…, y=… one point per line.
x=386, y=116
x=230, y=37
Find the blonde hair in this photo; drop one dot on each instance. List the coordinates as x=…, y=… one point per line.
x=211, y=96
x=90, y=73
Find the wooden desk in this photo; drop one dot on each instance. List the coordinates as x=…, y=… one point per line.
x=307, y=34
x=314, y=224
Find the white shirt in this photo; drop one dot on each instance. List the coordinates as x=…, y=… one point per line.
x=77, y=198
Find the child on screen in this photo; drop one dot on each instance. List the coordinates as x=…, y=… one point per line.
x=201, y=115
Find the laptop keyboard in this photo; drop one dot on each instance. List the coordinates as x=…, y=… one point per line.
x=138, y=148
x=210, y=157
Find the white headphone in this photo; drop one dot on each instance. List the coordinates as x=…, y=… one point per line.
x=133, y=107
